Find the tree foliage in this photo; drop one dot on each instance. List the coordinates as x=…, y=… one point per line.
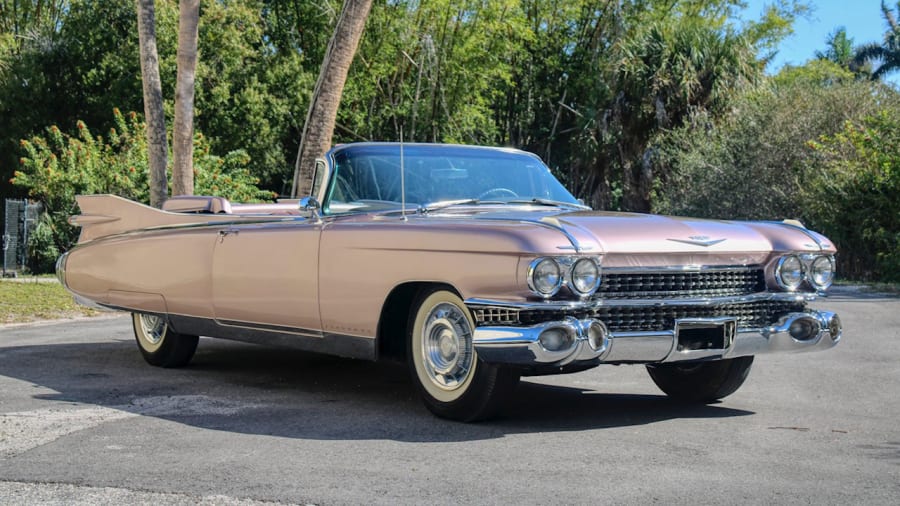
x=855, y=188
x=56, y=166
x=885, y=54
x=635, y=104
x=775, y=155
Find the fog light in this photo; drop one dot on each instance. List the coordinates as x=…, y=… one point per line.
x=556, y=339
x=804, y=329
x=835, y=328
x=597, y=336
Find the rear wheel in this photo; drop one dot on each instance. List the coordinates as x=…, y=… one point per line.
x=453, y=381
x=159, y=345
x=702, y=382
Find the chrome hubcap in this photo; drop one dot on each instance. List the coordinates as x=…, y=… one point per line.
x=447, y=348
x=153, y=328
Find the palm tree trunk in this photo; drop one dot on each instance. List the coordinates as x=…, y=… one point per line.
x=320, y=118
x=153, y=102
x=183, y=130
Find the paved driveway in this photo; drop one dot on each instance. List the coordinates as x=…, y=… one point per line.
x=83, y=419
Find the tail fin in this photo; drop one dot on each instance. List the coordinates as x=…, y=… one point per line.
x=103, y=215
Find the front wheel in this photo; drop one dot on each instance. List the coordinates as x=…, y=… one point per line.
x=702, y=382
x=453, y=381
x=159, y=345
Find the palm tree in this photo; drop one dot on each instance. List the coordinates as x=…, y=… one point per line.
x=886, y=54
x=322, y=114
x=153, y=102
x=840, y=48
x=183, y=128
x=666, y=72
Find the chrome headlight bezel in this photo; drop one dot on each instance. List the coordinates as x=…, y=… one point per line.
x=566, y=267
x=829, y=263
x=535, y=284
x=781, y=270
x=584, y=289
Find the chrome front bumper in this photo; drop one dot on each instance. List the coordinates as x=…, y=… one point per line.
x=523, y=346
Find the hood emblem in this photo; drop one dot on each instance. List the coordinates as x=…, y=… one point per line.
x=699, y=240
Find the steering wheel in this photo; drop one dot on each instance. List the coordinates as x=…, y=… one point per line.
x=499, y=191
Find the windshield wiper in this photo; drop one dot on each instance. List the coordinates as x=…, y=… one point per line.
x=443, y=204
x=547, y=202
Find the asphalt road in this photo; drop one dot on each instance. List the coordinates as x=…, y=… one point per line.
x=84, y=420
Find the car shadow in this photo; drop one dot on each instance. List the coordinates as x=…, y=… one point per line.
x=251, y=389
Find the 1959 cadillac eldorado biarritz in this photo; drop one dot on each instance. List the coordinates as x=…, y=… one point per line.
x=472, y=264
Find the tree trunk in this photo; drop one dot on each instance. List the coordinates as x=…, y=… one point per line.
x=637, y=176
x=183, y=130
x=320, y=118
x=153, y=103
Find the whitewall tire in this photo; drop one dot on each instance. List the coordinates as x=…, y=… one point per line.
x=159, y=345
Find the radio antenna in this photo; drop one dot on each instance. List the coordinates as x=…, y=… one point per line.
x=402, y=180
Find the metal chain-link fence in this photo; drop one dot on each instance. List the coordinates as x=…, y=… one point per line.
x=20, y=220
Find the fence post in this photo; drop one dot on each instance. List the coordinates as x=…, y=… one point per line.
x=19, y=222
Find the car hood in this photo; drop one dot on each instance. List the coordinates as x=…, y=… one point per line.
x=631, y=233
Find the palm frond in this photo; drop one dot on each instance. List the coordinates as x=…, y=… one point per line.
x=868, y=52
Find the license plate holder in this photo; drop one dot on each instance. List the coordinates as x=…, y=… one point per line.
x=705, y=334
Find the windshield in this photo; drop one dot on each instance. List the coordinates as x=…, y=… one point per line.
x=367, y=177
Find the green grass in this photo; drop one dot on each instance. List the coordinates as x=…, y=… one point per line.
x=27, y=301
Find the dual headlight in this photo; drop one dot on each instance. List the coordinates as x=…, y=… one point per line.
x=547, y=275
x=792, y=270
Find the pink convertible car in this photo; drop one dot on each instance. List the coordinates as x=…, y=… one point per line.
x=474, y=265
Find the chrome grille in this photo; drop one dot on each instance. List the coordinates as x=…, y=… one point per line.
x=654, y=318
x=748, y=315
x=680, y=284
x=648, y=300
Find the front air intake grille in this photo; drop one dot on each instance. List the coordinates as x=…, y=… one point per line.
x=496, y=316
x=676, y=284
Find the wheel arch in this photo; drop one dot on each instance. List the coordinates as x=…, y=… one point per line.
x=394, y=319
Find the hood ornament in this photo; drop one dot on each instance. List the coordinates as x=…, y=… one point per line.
x=699, y=240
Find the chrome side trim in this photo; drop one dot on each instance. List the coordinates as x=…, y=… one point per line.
x=332, y=344
x=271, y=328
x=541, y=223
x=822, y=245
x=310, y=340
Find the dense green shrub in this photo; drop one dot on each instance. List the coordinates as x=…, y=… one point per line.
x=57, y=166
x=855, y=195
x=760, y=162
x=754, y=163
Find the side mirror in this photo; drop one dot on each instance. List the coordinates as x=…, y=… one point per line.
x=310, y=206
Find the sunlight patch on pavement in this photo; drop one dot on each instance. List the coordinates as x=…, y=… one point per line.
x=22, y=431
x=14, y=492
x=25, y=430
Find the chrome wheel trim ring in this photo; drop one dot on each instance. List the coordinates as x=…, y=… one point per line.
x=447, y=349
x=153, y=329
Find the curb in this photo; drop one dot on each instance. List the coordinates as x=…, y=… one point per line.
x=58, y=321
